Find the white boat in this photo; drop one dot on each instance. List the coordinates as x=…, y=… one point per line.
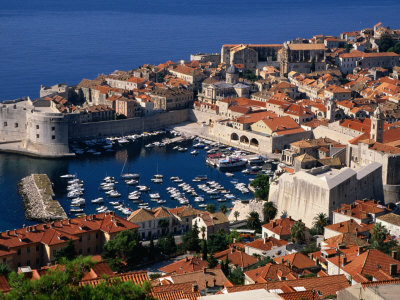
x=194, y=152
x=156, y=180
x=115, y=203
x=229, y=174
x=76, y=210
x=202, y=205
x=161, y=201
x=199, y=199
x=131, y=181
x=231, y=162
x=230, y=196
x=114, y=194
x=221, y=200
x=143, y=188
x=123, y=141
x=155, y=196
x=130, y=176
x=68, y=176
x=256, y=160
x=101, y=208
x=98, y=200
x=158, y=176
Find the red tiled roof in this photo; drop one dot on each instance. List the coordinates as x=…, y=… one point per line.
x=349, y=226
x=267, y=244
x=236, y=257
x=280, y=226
x=186, y=265
x=4, y=286
x=138, y=277
x=297, y=260
x=268, y=273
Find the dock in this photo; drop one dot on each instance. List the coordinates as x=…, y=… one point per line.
x=37, y=194
x=174, y=140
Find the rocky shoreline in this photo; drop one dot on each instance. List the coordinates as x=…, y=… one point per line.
x=37, y=194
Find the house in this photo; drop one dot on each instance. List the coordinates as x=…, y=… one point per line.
x=268, y=246
x=212, y=223
x=278, y=229
x=154, y=222
x=170, y=291
x=298, y=262
x=392, y=223
x=236, y=257
x=185, y=215
x=171, y=98
x=276, y=126
x=127, y=107
x=362, y=211
x=379, y=290
x=37, y=245
x=187, y=265
x=349, y=226
x=270, y=272
x=348, y=61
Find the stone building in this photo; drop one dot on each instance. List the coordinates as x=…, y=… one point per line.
x=266, y=53
x=167, y=98
x=303, y=58
x=348, y=61
x=127, y=107
x=305, y=194
x=212, y=223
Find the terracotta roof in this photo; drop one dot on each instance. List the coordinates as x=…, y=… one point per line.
x=349, y=226
x=346, y=239
x=359, y=54
x=138, y=277
x=361, y=208
x=4, y=286
x=390, y=218
x=281, y=123
x=296, y=47
x=186, y=265
x=280, y=226
x=327, y=285
x=171, y=291
x=375, y=283
x=297, y=260
x=236, y=257
x=302, y=295
x=268, y=273
x=255, y=117
x=266, y=244
x=247, y=287
x=213, y=219
x=184, y=211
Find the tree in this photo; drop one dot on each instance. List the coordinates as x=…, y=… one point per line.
x=312, y=67
x=216, y=242
x=233, y=237
x=236, y=214
x=223, y=208
x=191, y=241
x=261, y=184
x=378, y=235
x=297, y=232
x=120, y=117
x=236, y=276
x=212, y=261
x=253, y=221
x=210, y=208
x=385, y=42
x=167, y=244
x=68, y=252
x=151, y=251
x=395, y=48
x=4, y=269
x=164, y=225
x=310, y=248
x=225, y=266
x=269, y=211
x=125, y=247
x=320, y=221
x=348, y=47
x=204, y=250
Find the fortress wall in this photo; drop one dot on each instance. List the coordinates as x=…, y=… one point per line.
x=11, y=115
x=122, y=127
x=323, y=131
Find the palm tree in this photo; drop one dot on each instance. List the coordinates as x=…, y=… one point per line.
x=253, y=221
x=269, y=211
x=320, y=221
x=378, y=235
x=223, y=208
x=297, y=232
x=236, y=214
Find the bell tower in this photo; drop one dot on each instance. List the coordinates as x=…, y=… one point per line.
x=377, y=123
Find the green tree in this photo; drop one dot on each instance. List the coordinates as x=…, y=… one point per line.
x=212, y=261
x=223, y=208
x=310, y=248
x=233, y=236
x=320, y=221
x=378, y=235
x=297, y=232
x=385, y=42
x=68, y=252
x=167, y=245
x=120, y=117
x=4, y=269
x=348, y=47
x=269, y=211
x=125, y=247
x=216, y=242
x=160, y=77
x=261, y=184
x=204, y=250
x=225, y=266
x=236, y=214
x=395, y=48
x=151, y=251
x=164, y=225
x=210, y=208
x=191, y=241
x=253, y=221
x=236, y=276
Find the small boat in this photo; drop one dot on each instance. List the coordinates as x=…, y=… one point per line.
x=161, y=201
x=155, y=196
x=130, y=176
x=68, y=176
x=156, y=180
x=115, y=203
x=76, y=210
x=143, y=188
x=229, y=174
x=221, y=200
x=202, y=205
x=114, y=194
x=199, y=199
x=98, y=200
x=194, y=152
x=131, y=181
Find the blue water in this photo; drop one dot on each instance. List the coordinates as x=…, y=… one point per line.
x=47, y=42
x=92, y=169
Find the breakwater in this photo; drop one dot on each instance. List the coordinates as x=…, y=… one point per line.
x=37, y=194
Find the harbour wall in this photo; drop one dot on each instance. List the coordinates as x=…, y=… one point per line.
x=127, y=126
x=37, y=194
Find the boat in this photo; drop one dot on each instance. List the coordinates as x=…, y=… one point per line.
x=131, y=181
x=154, y=196
x=256, y=160
x=115, y=203
x=130, y=176
x=98, y=200
x=156, y=180
x=202, y=205
x=161, y=201
x=68, y=176
x=76, y=210
x=199, y=199
x=230, y=162
x=229, y=174
x=114, y=194
x=143, y=188
x=221, y=200
x=194, y=152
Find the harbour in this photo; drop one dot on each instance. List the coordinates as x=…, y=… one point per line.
x=169, y=173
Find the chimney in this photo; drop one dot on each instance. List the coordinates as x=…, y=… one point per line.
x=344, y=261
x=187, y=258
x=393, y=269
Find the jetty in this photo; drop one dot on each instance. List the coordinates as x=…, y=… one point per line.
x=37, y=194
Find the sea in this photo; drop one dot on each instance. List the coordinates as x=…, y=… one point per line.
x=48, y=42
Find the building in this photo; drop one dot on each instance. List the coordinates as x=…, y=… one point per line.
x=362, y=211
x=127, y=107
x=298, y=262
x=279, y=229
x=185, y=215
x=305, y=194
x=189, y=264
x=348, y=61
x=37, y=245
x=344, y=227
x=377, y=290
x=270, y=272
x=303, y=58
x=392, y=223
x=212, y=223
x=191, y=75
x=237, y=258
x=167, y=98
x=156, y=222
x=270, y=246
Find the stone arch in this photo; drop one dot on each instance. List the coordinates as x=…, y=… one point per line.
x=254, y=142
x=234, y=137
x=244, y=139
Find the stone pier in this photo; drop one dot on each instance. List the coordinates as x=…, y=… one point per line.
x=37, y=194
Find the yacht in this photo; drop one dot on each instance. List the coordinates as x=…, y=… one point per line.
x=68, y=176
x=155, y=196
x=194, y=152
x=229, y=174
x=98, y=200
x=114, y=194
x=130, y=176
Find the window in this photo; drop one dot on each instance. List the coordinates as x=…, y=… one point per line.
x=53, y=137
x=37, y=136
x=37, y=126
x=5, y=124
x=54, y=252
x=37, y=261
x=37, y=248
x=19, y=252
x=80, y=251
x=53, y=128
x=80, y=239
x=88, y=237
x=16, y=125
x=88, y=250
x=97, y=235
x=28, y=250
x=28, y=262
